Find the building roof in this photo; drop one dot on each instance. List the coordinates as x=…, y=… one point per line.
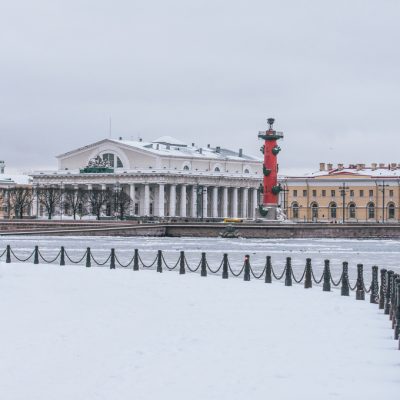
x=355, y=170
x=161, y=147
x=11, y=179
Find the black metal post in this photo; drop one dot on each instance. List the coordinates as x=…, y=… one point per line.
x=374, y=296
x=345, y=288
x=8, y=254
x=393, y=295
x=136, y=260
x=288, y=272
x=268, y=270
x=225, y=267
x=388, y=294
x=382, y=290
x=308, y=277
x=397, y=327
x=62, y=256
x=246, y=276
x=88, y=258
x=112, y=259
x=203, y=268
x=36, y=255
x=159, y=261
x=326, y=287
x=360, y=294
x=182, y=263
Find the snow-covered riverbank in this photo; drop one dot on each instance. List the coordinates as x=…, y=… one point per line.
x=78, y=333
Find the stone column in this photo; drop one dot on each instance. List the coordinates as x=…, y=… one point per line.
x=146, y=200
x=205, y=201
x=193, y=202
x=161, y=199
x=255, y=203
x=215, y=202
x=172, y=200
x=132, y=196
x=225, y=202
x=235, y=202
x=245, y=203
x=183, y=201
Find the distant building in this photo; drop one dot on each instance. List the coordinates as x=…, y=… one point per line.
x=357, y=192
x=165, y=177
x=10, y=183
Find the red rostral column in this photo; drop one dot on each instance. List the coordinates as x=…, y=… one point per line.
x=271, y=188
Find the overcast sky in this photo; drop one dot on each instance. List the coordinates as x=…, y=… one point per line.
x=206, y=71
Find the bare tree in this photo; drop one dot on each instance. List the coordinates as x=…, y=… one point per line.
x=98, y=198
x=20, y=200
x=49, y=197
x=122, y=202
x=75, y=198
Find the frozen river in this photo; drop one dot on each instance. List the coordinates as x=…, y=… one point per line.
x=383, y=253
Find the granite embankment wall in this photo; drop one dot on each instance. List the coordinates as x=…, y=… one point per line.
x=272, y=230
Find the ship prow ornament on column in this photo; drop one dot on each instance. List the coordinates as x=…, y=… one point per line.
x=269, y=206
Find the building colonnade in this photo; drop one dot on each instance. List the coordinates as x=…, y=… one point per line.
x=184, y=200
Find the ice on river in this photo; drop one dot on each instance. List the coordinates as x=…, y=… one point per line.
x=384, y=253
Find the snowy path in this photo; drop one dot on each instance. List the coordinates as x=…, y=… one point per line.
x=83, y=334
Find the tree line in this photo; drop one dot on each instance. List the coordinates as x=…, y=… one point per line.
x=18, y=201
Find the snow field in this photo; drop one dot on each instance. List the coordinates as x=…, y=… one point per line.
x=77, y=333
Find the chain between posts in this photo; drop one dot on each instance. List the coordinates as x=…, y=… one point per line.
x=317, y=282
x=52, y=260
x=281, y=275
x=75, y=262
x=167, y=266
x=233, y=273
x=124, y=265
x=149, y=265
x=21, y=259
x=302, y=277
x=216, y=270
x=100, y=264
x=4, y=252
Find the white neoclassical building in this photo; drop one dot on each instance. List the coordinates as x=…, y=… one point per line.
x=165, y=178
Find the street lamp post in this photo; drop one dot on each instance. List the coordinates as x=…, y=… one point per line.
x=382, y=186
x=343, y=189
x=200, y=194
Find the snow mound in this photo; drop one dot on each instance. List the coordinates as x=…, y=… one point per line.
x=92, y=333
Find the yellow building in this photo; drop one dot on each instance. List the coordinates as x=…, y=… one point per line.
x=357, y=193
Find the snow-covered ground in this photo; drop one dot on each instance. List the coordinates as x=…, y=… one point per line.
x=384, y=253
x=78, y=333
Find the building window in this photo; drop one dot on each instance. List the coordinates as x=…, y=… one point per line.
x=371, y=193
x=361, y=193
x=136, y=212
x=216, y=169
x=113, y=160
x=314, y=193
x=246, y=171
x=294, y=193
x=333, y=193
x=351, y=193
x=295, y=210
x=391, y=211
x=391, y=193
x=314, y=211
x=371, y=210
x=324, y=193
x=304, y=193
x=352, y=210
x=332, y=210
x=186, y=168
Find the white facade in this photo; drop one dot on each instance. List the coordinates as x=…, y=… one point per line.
x=166, y=178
